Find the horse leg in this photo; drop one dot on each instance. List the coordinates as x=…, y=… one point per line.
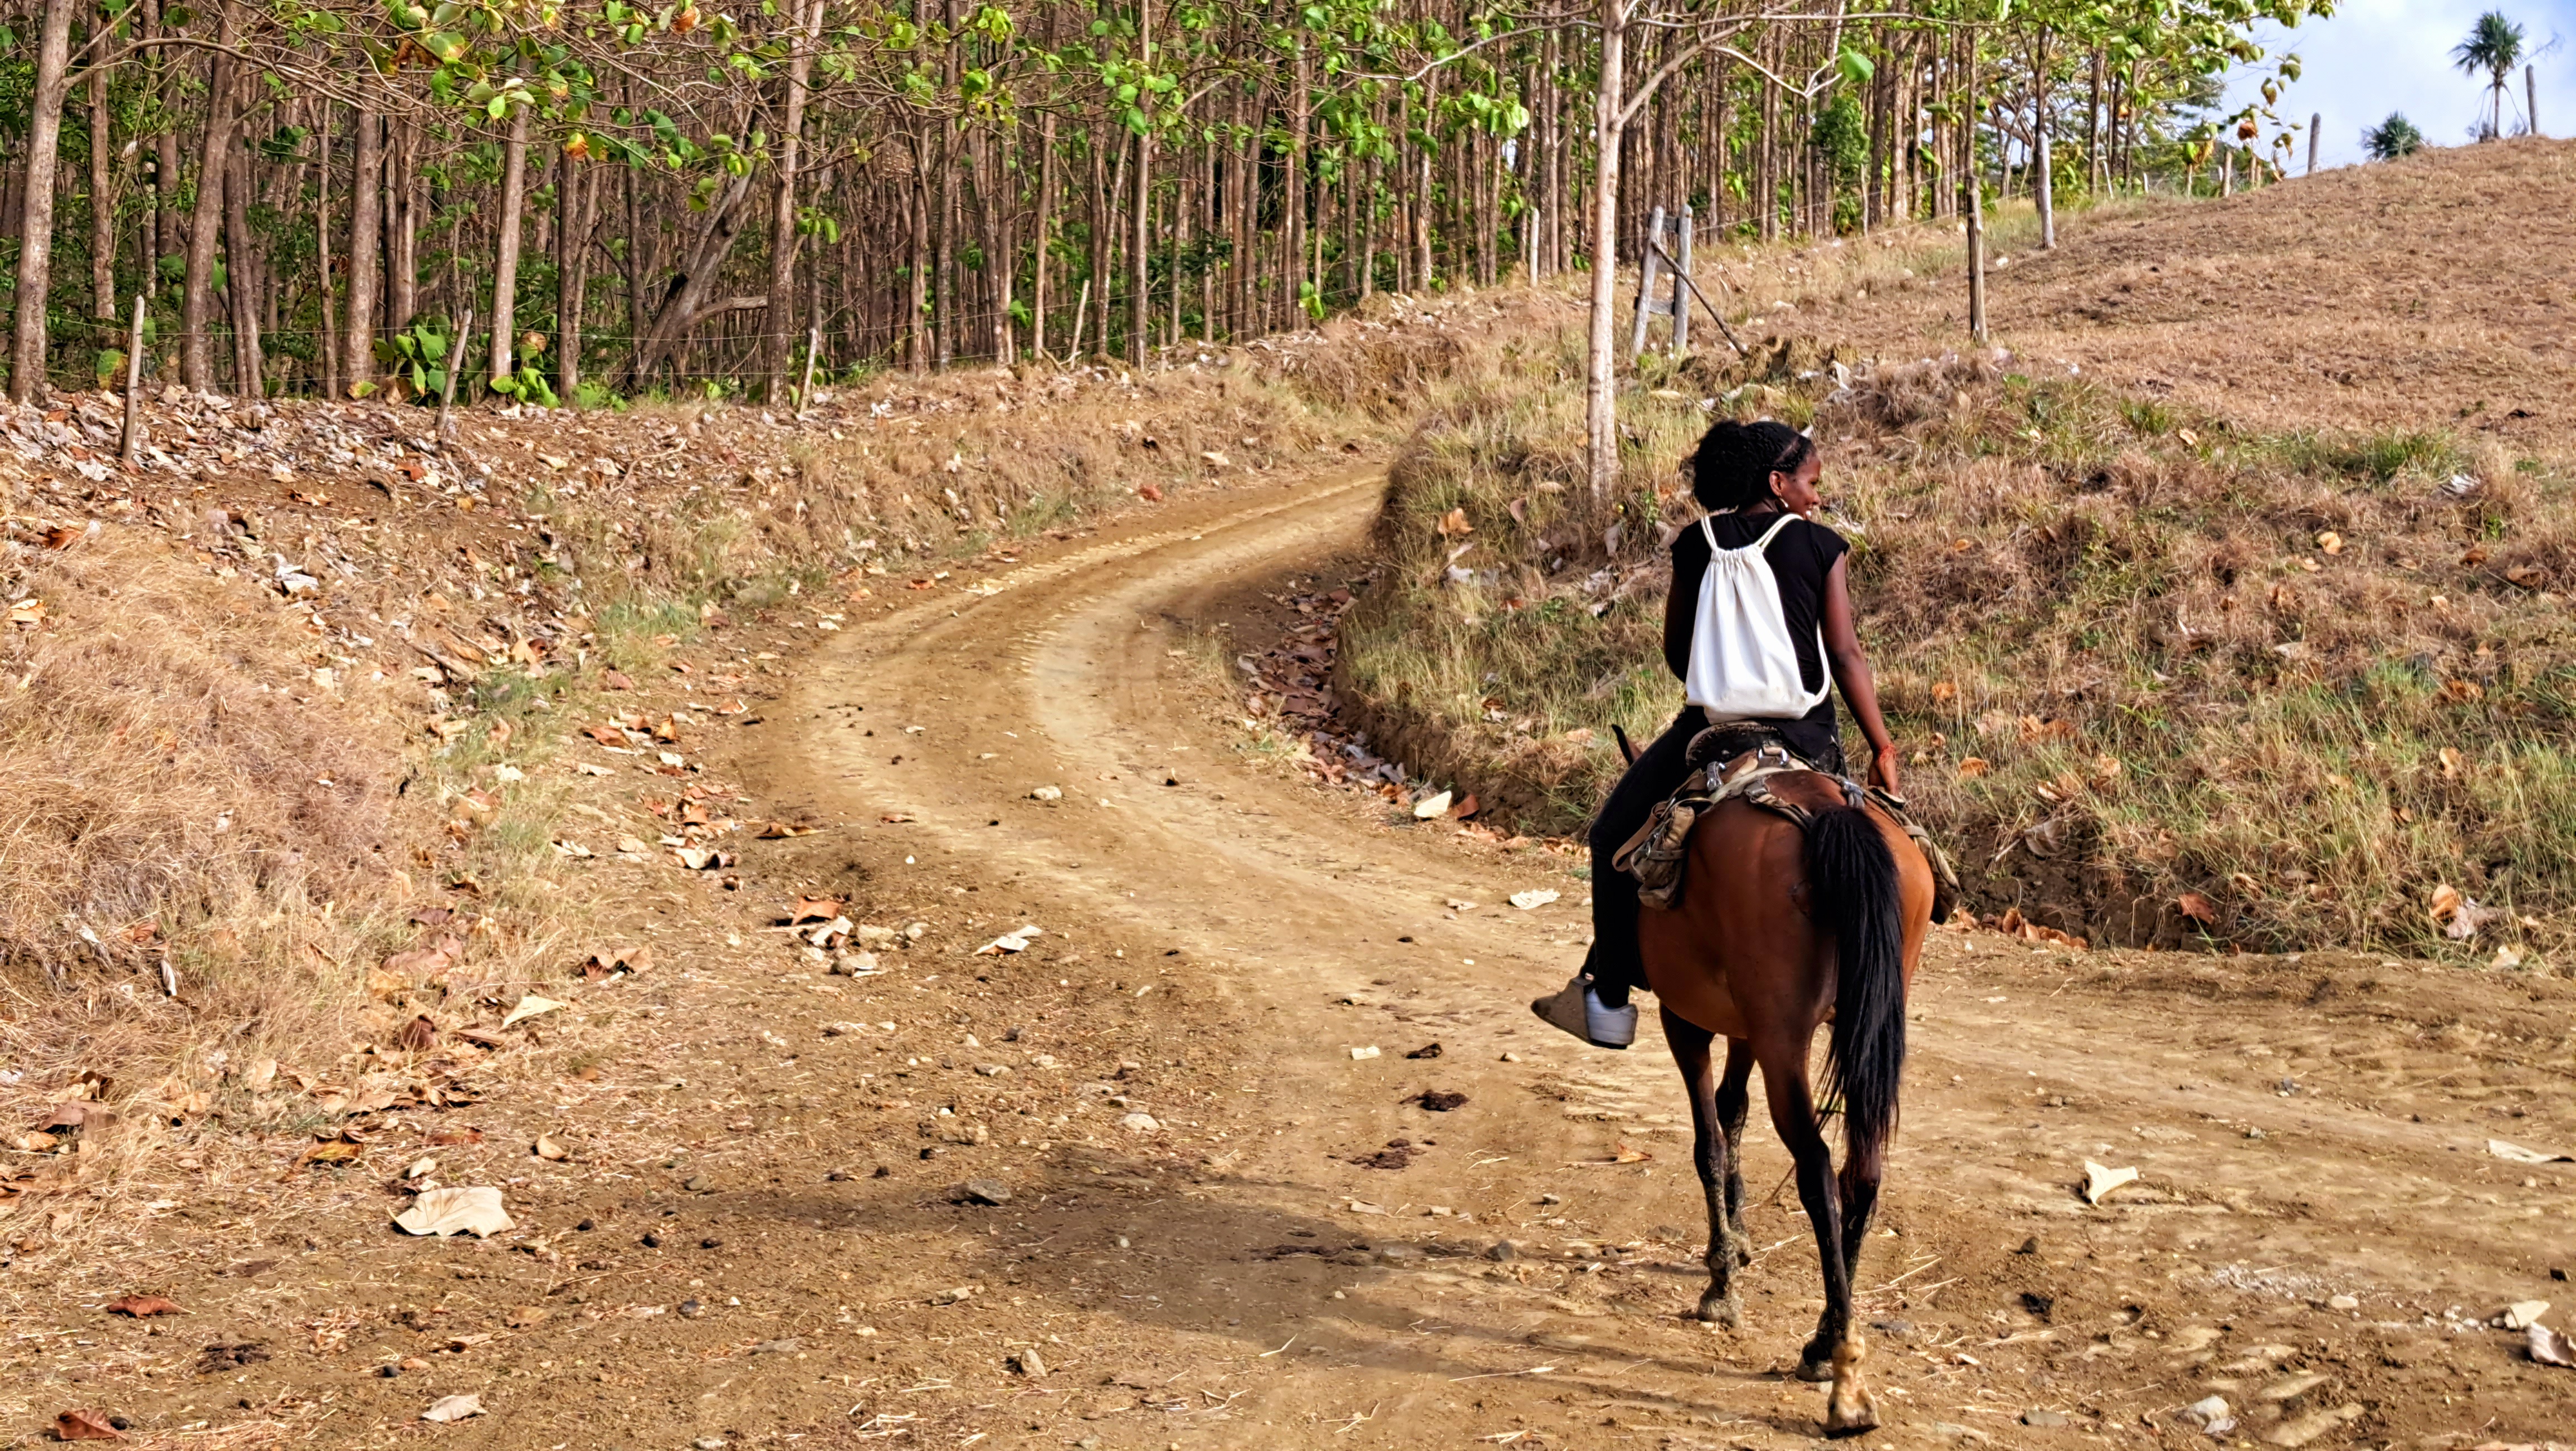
x=1690, y=1044
x=1733, y=1099
x=1836, y=1351
x=1862, y=1170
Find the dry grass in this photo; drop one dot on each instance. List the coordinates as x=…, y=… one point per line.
x=2107, y=621
x=2434, y=292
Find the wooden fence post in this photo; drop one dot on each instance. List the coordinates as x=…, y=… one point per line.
x=130, y=447
x=1646, y=268
x=1681, y=282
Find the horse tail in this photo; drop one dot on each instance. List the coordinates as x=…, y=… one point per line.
x=1857, y=897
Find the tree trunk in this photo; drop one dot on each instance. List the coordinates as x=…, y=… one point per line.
x=684, y=301
x=577, y=201
x=196, y=304
x=1038, y=298
x=402, y=249
x=36, y=218
x=1140, y=293
x=505, y=265
x=1600, y=404
x=102, y=204
x=330, y=349
x=366, y=162
x=780, y=321
x=242, y=278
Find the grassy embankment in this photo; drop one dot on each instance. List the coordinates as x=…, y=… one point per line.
x=2135, y=654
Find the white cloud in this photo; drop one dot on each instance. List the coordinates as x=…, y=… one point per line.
x=2378, y=56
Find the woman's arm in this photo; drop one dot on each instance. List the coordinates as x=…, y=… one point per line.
x=1681, y=612
x=1681, y=602
x=1851, y=674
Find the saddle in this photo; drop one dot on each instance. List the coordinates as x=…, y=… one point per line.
x=1739, y=762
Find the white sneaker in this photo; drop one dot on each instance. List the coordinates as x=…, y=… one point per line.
x=1578, y=1010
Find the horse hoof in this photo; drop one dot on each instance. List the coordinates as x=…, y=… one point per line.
x=1850, y=1416
x=1721, y=1310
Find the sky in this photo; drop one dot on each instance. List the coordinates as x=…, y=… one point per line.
x=2378, y=56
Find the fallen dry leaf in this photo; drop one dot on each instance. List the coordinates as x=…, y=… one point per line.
x=1973, y=767
x=2196, y=907
x=813, y=909
x=85, y=1426
x=2100, y=1181
x=528, y=1007
x=2444, y=903
x=418, y=1036
x=474, y=1211
x=2548, y=1347
x=546, y=1148
x=454, y=1408
x=142, y=1306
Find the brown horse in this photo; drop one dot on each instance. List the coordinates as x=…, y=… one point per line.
x=1779, y=930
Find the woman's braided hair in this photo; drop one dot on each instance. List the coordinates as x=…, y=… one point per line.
x=1733, y=465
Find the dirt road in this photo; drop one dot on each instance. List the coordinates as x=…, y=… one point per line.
x=1219, y=1228
x=2306, y=1129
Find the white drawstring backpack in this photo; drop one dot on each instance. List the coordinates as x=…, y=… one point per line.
x=1743, y=665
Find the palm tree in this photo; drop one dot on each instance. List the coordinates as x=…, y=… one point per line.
x=2494, y=46
x=2392, y=138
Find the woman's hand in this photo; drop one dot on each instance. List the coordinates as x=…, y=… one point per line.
x=1882, y=770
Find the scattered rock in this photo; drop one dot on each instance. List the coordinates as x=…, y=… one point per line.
x=2210, y=1414
x=142, y=1307
x=1027, y=1363
x=984, y=1191
x=2342, y=1302
x=1427, y=1050
x=2522, y=1314
x=1503, y=1250
x=2042, y=1418
x=1361, y=1053
x=1437, y=1101
x=691, y=1309
x=1140, y=1123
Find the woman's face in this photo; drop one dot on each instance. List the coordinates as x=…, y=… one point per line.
x=1797, y=492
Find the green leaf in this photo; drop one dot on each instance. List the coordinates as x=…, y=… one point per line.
x=1855, y=67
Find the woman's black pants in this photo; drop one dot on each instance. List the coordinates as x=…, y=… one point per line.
x=1614, y=964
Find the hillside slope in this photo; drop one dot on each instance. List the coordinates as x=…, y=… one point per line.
x=2436, y=291
x=2183, y=643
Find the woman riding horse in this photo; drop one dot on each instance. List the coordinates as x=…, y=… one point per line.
x=1746, y=475
x=1803, y=902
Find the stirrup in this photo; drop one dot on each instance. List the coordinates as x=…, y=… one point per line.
x=1577, y=1009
